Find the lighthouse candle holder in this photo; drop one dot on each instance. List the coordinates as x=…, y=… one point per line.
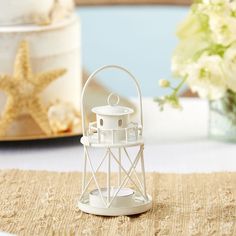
x=116, y=134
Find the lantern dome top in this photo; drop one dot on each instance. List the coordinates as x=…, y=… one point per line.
x=112, y=109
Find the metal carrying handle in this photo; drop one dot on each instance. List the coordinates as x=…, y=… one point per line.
x=92, y=76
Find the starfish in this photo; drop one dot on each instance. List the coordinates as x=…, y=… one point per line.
x=23, y=89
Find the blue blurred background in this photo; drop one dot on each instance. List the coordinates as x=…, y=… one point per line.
x=141, y=38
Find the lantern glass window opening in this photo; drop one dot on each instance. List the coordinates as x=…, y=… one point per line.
x=120, y=123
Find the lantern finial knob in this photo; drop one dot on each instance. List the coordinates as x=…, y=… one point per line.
x=113, y=99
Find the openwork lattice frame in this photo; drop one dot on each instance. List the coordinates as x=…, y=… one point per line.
x=139, y=184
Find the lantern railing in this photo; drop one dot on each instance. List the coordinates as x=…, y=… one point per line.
x=131, y=133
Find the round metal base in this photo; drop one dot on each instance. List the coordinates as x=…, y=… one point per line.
x=139, y=207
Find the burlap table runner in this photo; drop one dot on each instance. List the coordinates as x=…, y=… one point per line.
x=44, y=203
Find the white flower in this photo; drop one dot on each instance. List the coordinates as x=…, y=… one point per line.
x=213, y=6
x=177, y=66
x=230, y=67
x=216, y=2
x=206, y=77
x=206, y=53
x=184, y=52
x=232, y=6
x=189, y=27
x=223, y=28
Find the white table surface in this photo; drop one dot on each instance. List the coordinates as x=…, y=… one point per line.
x=176, y=141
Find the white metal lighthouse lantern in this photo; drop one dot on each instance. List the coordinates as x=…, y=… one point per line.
x=116, y=134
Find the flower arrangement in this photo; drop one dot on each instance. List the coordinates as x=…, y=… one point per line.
x=205, y=57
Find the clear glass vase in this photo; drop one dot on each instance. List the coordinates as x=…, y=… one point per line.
x=222, y=118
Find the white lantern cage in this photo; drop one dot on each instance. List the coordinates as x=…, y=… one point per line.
x=115, y=133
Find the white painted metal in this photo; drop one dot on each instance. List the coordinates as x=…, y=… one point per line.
x=112, y=110
x=84, y=172
x=90, y=180
x=141, y=206
x=93, y=141
x=143, y=173
x=94, y=177
x=112, y=122
x=109, y=178
x=109, y=101
x=119, y=171
x=113, y=130
x=133, y=170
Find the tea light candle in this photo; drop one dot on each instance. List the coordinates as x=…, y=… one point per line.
x=123, y=198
